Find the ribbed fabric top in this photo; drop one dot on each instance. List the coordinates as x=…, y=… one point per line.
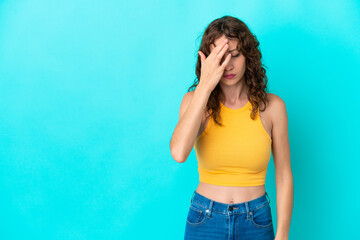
x=236, y=154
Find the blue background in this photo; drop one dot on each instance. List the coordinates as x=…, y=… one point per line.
x=90, y=94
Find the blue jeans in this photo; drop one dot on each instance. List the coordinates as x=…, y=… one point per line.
x=208, y=219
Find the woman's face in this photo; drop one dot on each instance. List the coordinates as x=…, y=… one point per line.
x=236, y=65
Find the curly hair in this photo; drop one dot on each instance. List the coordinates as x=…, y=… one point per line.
x=255, y=74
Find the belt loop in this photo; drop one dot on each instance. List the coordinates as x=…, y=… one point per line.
x=247, y=210
x=192, y=196
x=210, y=208
x=267, y=197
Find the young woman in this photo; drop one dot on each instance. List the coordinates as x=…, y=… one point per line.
x=234, y=125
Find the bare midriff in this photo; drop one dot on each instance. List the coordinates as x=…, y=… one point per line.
x=230, y=194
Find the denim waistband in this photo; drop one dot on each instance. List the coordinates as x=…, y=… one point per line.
x=244, y=207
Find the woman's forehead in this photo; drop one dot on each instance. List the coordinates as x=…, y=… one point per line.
x=222, y=38
x=232, y=43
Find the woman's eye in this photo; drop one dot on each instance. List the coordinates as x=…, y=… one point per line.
x=236, y=55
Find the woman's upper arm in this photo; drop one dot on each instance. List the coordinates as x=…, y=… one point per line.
x=280, y=138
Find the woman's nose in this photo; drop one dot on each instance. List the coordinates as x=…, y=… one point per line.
x=224, y=57
x=229, y=66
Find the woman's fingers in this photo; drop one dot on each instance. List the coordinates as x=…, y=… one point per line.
x=222, y=52
x=227, y=60
x=217, y=52
x=218, y=48
x=202, y=57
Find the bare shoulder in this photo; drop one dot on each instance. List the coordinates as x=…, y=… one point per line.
x=275, y=100
x=277, y=107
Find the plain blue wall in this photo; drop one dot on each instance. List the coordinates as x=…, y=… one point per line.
x=90, y=94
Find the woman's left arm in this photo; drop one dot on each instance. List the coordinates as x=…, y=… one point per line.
x=283, y=173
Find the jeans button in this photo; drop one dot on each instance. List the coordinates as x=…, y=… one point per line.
x=230, y=208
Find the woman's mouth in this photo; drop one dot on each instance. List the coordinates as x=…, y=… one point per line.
x=229, y=76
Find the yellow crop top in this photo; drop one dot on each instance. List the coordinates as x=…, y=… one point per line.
x=236, y=154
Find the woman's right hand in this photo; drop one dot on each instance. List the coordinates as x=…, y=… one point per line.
x=211, y=71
